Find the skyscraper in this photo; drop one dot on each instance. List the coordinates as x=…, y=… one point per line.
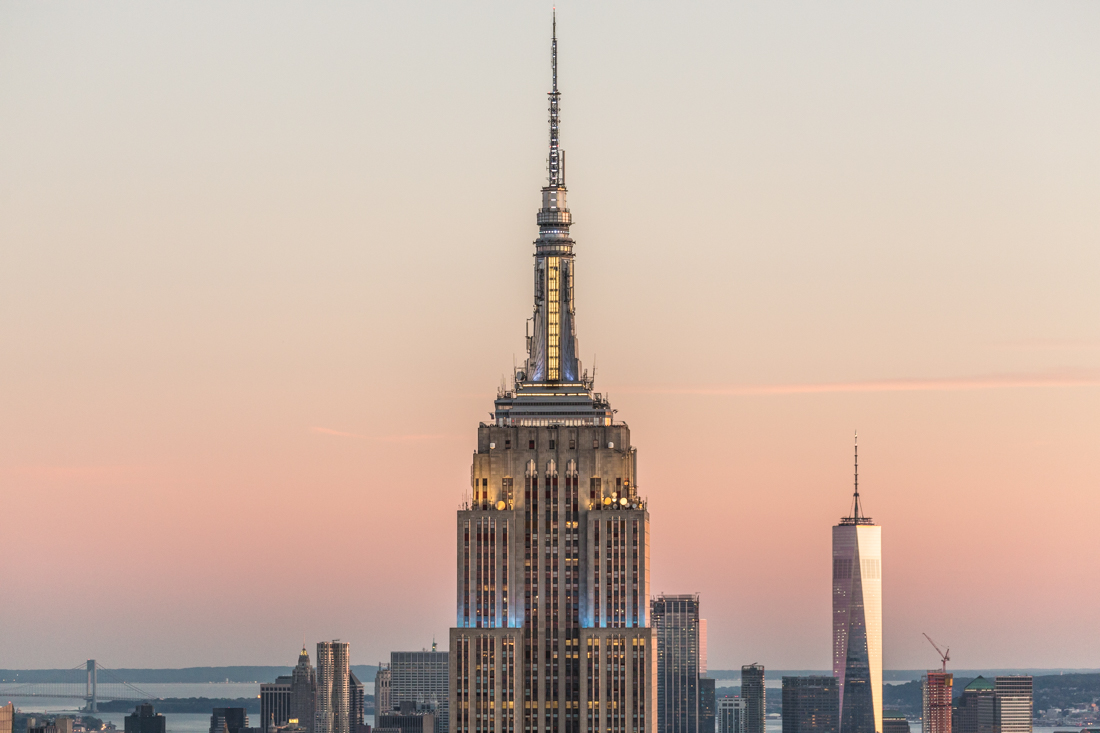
x=731, y=715
x=228, y=720
x=810, y=705
x=275, y=699
x=676, y=625
x=421, y=677
x=552, y=631
x=143, y=720
x=755, y=695
x=936, y=698
x=382, y=702
x=977, y=709
x=857, y=618
x=7, y=716
x=706, y=705
x=303, y=694
x=356, y=702
x=333, y=691
x=1014, y=702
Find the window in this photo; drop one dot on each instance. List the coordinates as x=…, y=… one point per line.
x=552, y=444
x=595, y=442
x=531, y=445
x=508, y=444
x=572, y=444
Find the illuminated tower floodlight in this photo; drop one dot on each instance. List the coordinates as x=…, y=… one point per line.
x=552, y=631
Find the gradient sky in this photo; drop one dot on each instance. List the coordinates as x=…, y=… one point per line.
x=263, y=264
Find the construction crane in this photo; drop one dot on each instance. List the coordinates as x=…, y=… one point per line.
x=945, y=656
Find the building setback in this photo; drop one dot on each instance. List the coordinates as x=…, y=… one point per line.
x=810, y=705
x=857, y=618
x=755, y=696
x=303, y=694
x=1014, y=701
x=552, y=630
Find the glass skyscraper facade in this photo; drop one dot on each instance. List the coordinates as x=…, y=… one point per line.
x=857, y=619
x=677, y=626
x=810, y=705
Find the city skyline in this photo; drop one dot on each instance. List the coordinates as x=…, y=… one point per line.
x=234, y=313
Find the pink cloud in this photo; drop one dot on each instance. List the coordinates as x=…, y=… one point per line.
x=1052, y=378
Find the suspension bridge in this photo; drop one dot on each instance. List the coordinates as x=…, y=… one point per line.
x=98, y=683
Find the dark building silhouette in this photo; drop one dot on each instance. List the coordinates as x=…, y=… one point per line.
x=752, y=691
x=706, y=705
x=356, y=702
x=411, y=718
x=810, y=705
x=894, y=723
x=977, y=709
x=303, y=694
x=228, y=720
x=144, y=720
x=275, y=700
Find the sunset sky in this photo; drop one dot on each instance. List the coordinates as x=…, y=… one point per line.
x=264, y=264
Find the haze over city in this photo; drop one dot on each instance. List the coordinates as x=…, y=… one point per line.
x=264, y=268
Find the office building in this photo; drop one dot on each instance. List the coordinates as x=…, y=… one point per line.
x=755, y=696
x=810, y=705
x=706, y=705
x=894, y=722
x=936, y=695
x=228, y=720
x=303, y=694
x=60, y=724
x=1014, y=703
x=275, y=698
x=857, y=618
x=675, y=621
x=411, y=717
x=333, y=691
x=730, y=715
x=552, y=631
x=7, y=717
x=423, y=678
x=357, y=698
x=976, y=709
x=382, y=701
x=144, y=720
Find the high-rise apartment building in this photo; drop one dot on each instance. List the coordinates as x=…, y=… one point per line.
x=730, y=716
x=936, y=695
x=706, y=705
x=552, y=632
x=423, y=678
x=1014, y=702
x=976, y=710
x=857, y=619
x=382, y=701
x=275, y=698
x=676, y=624
x=810, y=705
x=303, y=694
x=755, y=696
x=333, y=692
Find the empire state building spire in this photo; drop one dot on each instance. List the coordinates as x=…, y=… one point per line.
x=551, y=387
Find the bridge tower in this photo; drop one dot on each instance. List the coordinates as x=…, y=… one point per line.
x=89, y=689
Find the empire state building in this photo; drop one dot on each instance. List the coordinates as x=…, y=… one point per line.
x=552, y=631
